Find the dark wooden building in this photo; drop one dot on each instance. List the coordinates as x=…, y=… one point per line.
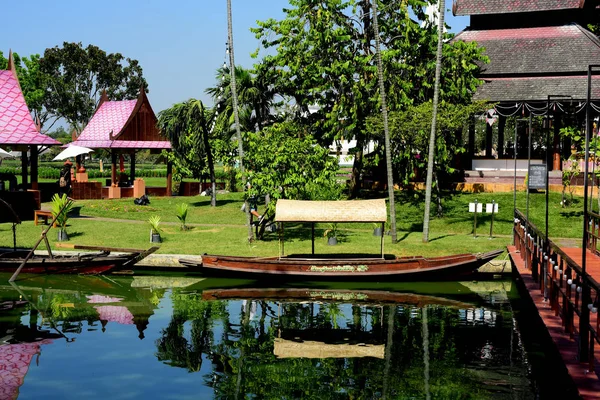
x=539, y=52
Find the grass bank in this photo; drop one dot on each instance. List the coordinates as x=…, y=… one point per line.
x=221, y=229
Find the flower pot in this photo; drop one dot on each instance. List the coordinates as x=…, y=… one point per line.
x=377, y=231
x=155, y=237
x=332, y=241
x=62, y=235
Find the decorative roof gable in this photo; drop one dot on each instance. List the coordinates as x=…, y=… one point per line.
x=16, y=125
x=127, y=124
x=480, y=7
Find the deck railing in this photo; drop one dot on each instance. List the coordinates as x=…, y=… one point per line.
x=572, y=294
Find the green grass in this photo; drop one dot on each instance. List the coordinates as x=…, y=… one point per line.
x=221, y=229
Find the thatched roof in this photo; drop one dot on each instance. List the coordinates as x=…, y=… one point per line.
x=331, y=211
x=309, y=349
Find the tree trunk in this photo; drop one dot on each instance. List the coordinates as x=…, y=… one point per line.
x=356, y=170
x=211, y=171
x=436, y=94
x=236, y=113
x=384, y=112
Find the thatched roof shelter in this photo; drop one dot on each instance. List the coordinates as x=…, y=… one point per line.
x=331, y=211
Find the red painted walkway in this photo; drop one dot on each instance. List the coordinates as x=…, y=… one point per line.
x=587, y=382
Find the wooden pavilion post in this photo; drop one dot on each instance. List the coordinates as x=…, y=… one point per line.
x=471, y=148
x=169, y=178
x=24, y=162
x=34, y=167
x=488, y=140
x=556, y=164
x=132, y=172
x=501, y=126
x=113, y=162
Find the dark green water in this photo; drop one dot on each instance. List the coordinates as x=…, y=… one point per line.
x=167, y=337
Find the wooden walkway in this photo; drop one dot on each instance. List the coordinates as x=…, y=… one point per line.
x=564, y=334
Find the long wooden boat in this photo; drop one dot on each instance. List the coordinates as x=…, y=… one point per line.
x=339, y=267
x=433, y=268
x=82, y=263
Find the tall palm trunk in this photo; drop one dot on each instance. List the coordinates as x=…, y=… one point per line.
x=236, y=114
x=384, y=112
x=436, y=95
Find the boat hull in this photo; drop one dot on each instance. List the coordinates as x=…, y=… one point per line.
x=360, y=269
x=62, y=264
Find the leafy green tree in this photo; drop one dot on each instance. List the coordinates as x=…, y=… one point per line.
x=76, y=77
x=187, y=125
x=286, y=163
x=410, y=131
x=325, y=57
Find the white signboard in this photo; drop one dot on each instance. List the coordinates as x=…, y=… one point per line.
x=472, y=207
x=489, y=209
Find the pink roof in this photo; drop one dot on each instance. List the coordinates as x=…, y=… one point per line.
x=110, y=118
x=16, y=124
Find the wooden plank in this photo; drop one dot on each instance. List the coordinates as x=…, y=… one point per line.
x=97, y=248
x=588, y=384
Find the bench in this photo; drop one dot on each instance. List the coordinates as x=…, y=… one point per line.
x=42, y=214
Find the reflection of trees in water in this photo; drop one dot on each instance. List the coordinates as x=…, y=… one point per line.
x=460, y=358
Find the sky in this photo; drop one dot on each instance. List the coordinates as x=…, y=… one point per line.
x=179, y=43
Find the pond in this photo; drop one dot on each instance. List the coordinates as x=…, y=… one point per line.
x=177, y=337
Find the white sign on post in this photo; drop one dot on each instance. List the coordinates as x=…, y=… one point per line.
x=472, y=207
x=491, y=208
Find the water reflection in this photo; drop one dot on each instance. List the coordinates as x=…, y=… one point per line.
x=242, y=341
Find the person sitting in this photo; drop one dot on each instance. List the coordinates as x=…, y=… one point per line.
x=64, y=180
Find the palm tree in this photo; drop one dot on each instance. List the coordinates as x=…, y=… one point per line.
x=185, y=121
x=384, y=111
x=436, y=95
x=234, y=102
x=254, y=99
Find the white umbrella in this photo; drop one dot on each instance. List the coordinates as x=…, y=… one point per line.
x=72, y=151
x=5, y=154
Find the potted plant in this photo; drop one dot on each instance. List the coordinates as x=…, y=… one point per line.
x=331, y=234
x=61, y=205
x=154, y=222
x=182, y=211
x=377, y=230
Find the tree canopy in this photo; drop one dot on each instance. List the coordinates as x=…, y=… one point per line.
x=76, y=76
x=325, y=57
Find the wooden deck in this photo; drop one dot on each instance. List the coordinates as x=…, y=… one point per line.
x=564, y=334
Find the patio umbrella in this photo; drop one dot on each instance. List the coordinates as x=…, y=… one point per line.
x=5, y=154
x=71, y=152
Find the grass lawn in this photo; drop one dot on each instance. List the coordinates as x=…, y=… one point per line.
x=221, y=229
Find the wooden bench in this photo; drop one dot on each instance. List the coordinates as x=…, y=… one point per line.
x=42, y=214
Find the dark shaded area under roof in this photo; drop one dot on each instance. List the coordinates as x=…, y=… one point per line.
x=536, y=89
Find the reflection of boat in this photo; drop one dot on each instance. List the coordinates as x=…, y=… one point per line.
x=338, y=267
x=348, y=296
x=83, y=263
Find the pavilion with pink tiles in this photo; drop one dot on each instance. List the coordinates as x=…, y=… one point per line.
x=122, y=127
x=19, y=133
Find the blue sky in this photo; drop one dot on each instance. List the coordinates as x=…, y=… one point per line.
x=179, y=44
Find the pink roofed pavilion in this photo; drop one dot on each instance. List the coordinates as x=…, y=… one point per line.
x=125, y=126
x=17, y=128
